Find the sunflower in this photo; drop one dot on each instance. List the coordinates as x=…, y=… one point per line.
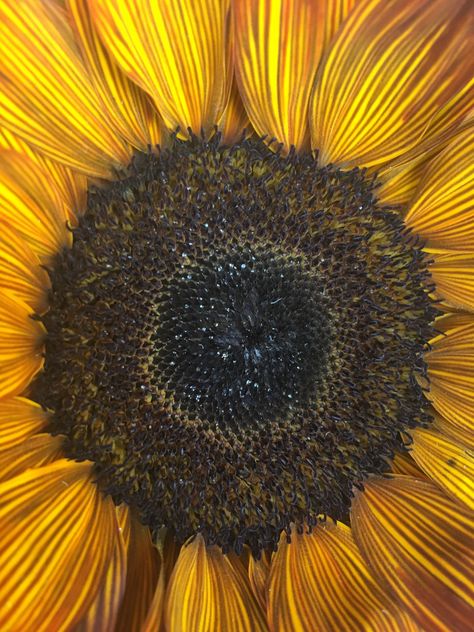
x=236, y=315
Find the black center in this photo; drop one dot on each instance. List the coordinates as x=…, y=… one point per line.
x=241, y=338
x=236, y=339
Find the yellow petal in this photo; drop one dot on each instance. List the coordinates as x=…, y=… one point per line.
x=391, y=67
x=259, y=571
x=449, y=464
x=176, y=51
x=142, y=577
x=442, y=211
x=72, y=186
x=210, y=591
x=20, y=418
x=320, y=582
x=20, y=271
x=58, y=534
x=419, y=544
x=47, y=97
x=31, y=203
x=102, y=614
x=21, y=346
x=38, y=450
x=453, y=275
x=451, y=373
x=129, y=109
x=278, y=47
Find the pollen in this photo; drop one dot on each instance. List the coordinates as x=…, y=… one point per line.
x=236, y=340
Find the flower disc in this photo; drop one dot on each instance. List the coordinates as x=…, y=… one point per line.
x=236, y=339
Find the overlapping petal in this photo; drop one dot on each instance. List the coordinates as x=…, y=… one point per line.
x=448, y=463
x=459, y=430
x=21, y=346
x=176, y=51
x=31, y=203
x=20, y=418
x=155, y=611
x=51, y=519
x=279, y=44
x=72, y=186
x=419, y=545
x=129, y=109
x=142, y=577
x=442, y=210
x=392, y=66
x=404, y=464
x=47, y=97
x=234, y=122
x=103, y=613
x=210, y=591
x=20, y=271
x=320, y=582
x=453, y=276
x=451, y=373
x=36, y=451
x=259, y=571
x=401, y=177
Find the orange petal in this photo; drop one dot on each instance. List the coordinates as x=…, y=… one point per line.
x=31, y=203
x=125, y=523
x=20, y=418
x=278, y=47
x=404, y=464
x=38, y=450
x=142, y=578
x=129, y=109
x=401, y=177
x=442, y=211
x=419, y=545
x=102, y=615
x=320, y=582
x=392, y=65
x=451, y=373
x=176, y=51
x=169, y=551
x=259, y=571
x=21, y=346
x=453, y=320
x=448, y=463
x=210, y=591
x=47, y=97
x=457, y=110
x=234, y=121
x=20, y=271
x=453, y=275
x=458, y=432
x=58, y=535
x=399, y=181
x=155, y=612
x=72, y=186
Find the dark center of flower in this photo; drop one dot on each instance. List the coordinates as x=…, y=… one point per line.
x=240, y=337
x=235, y=340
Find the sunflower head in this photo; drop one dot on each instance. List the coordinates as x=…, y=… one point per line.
x=226, y=373
x=236, y=299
